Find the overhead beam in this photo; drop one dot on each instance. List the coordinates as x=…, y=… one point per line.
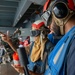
x=8, y=6
x=23, y=6
x=6, y=17
x=5, y=23
x=7, y=3
x=6, y=13
x=7, y=9
x=13, y=0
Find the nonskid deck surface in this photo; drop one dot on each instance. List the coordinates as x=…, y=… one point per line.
x=7, y=69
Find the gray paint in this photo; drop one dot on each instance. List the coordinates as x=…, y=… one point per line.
x=27, y=25
x=5, y=29
x=23, y=6
x=32, y=19
x=25, y=32
x=7, y=12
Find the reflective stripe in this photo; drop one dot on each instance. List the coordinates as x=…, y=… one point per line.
x=49, y=74
x=58, y=54
x=16, y=62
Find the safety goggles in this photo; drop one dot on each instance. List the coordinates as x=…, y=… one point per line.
x=60, y=10
x=35, y=33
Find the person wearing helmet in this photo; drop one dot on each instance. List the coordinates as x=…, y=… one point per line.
x=54, y=36
x=37, y=56
x=62, y=58
x=39, y=49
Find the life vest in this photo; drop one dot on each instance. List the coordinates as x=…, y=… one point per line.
x=57, y=58
x=40, y=66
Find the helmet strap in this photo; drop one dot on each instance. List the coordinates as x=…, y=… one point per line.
x=62, y=31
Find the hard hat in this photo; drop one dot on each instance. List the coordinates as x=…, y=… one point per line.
x=46, y=5
x=37, y=24
x=71, y=4
x=36, y=28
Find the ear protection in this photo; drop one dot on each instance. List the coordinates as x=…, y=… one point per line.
x=61, y=14
x=47, y=14
x=60, y=10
